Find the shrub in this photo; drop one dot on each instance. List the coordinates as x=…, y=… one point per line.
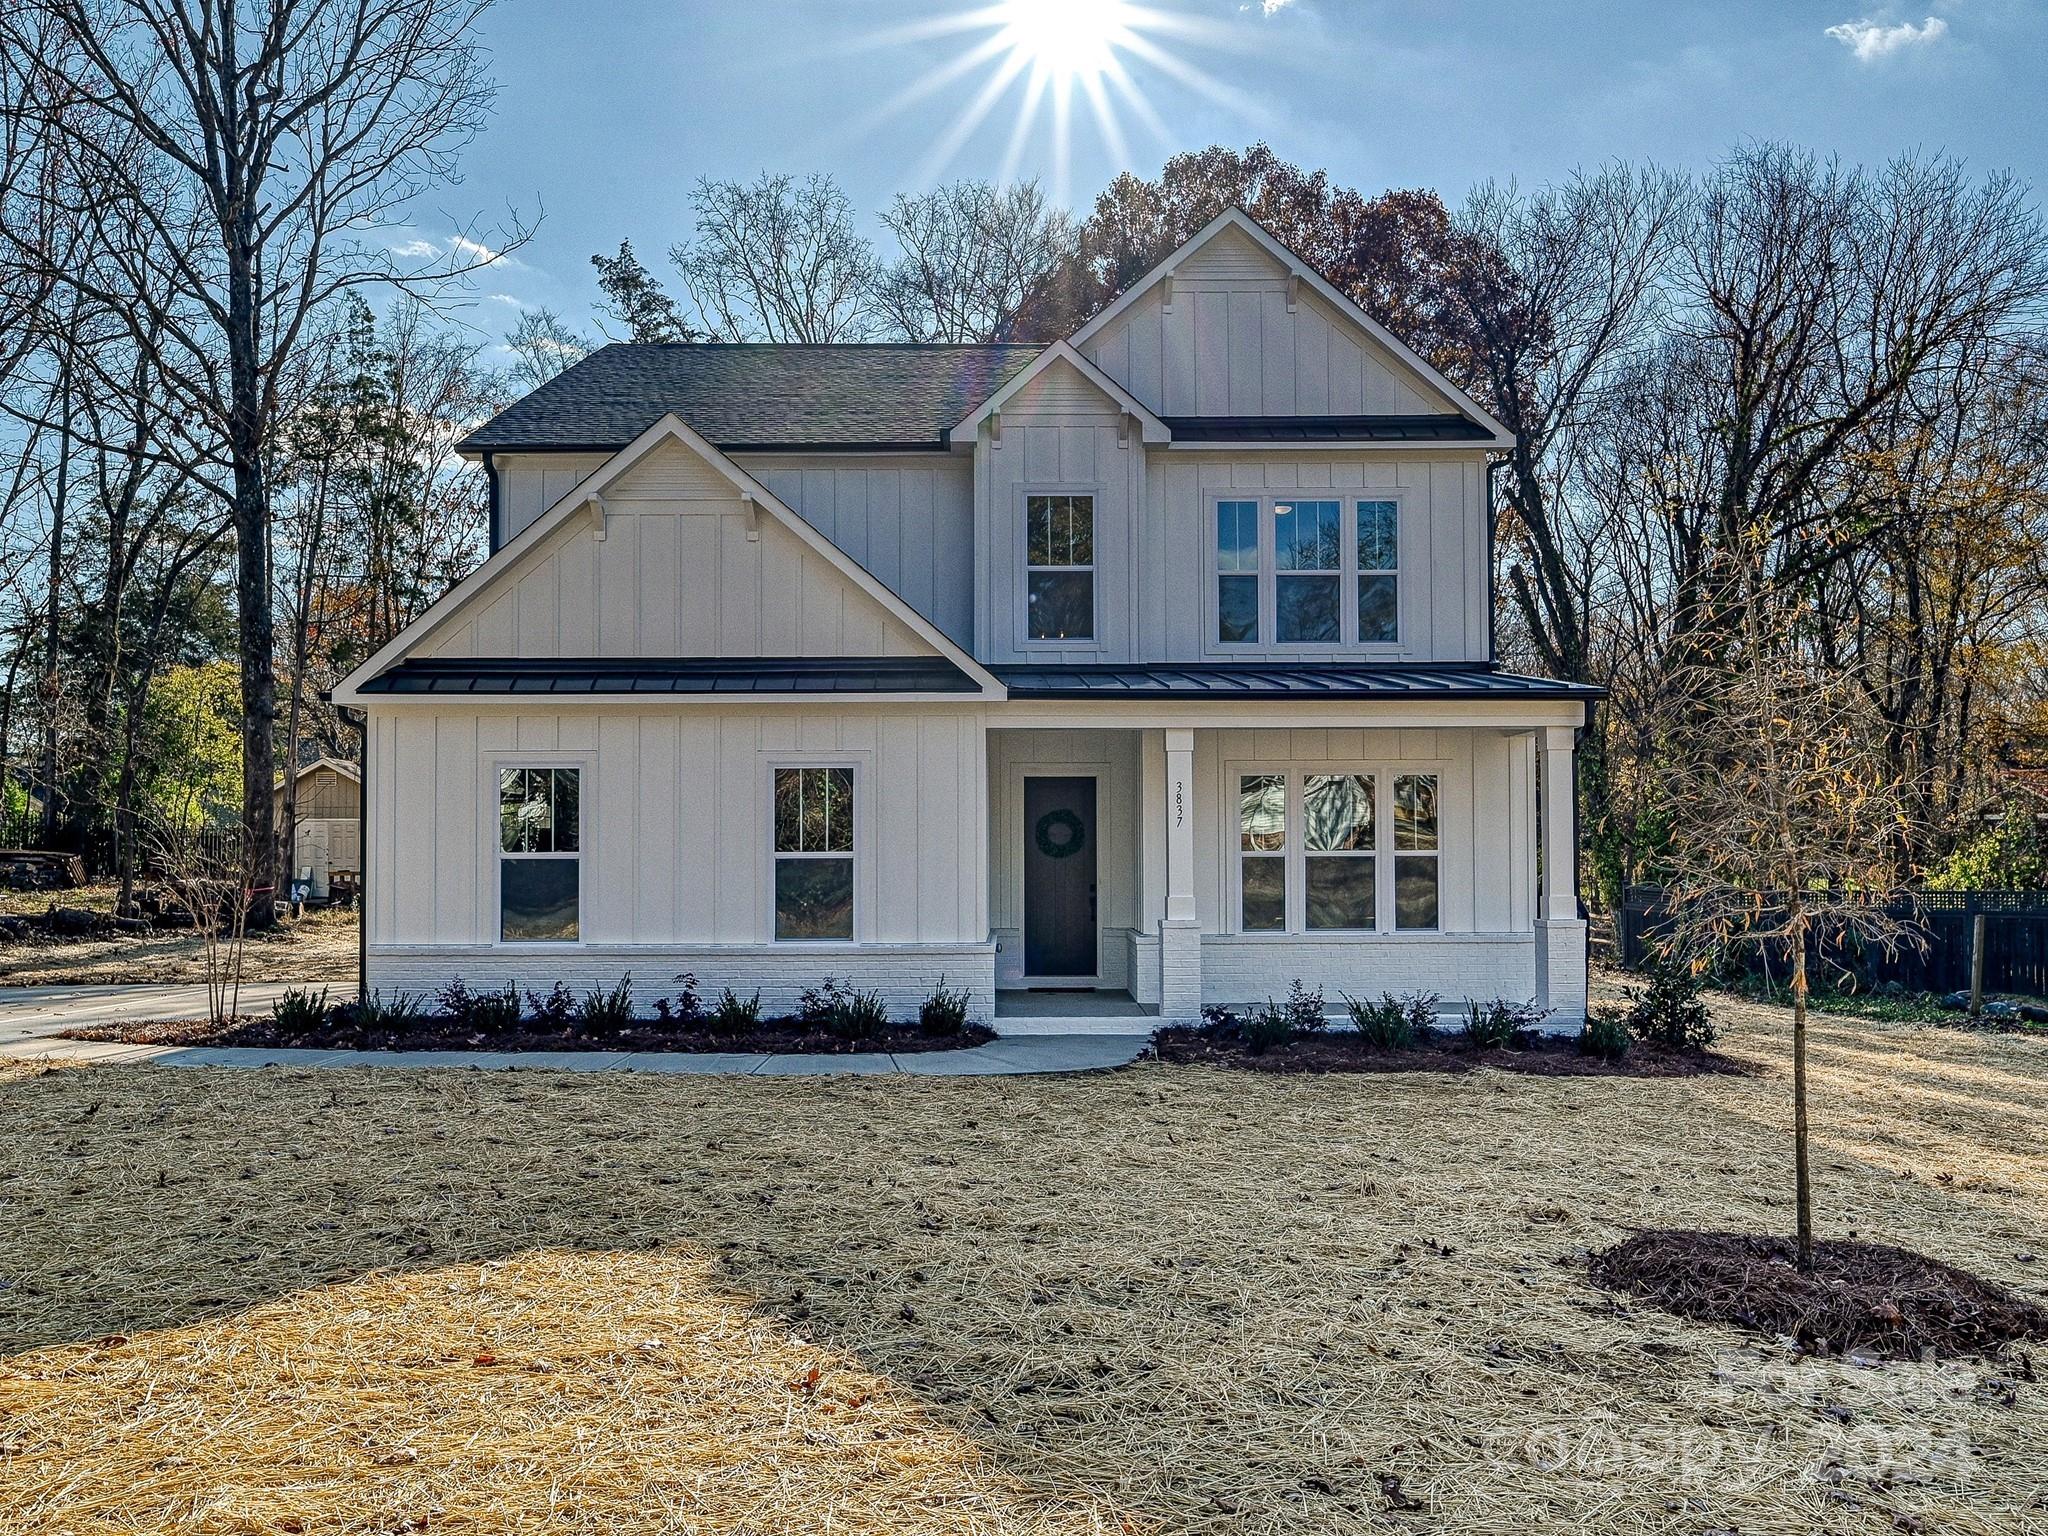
x=1605, y=1035
x=380, y=1012
x=300, y=1011
x=1219, y=1019
x=818, y=1006
x=1392, y=1023
x=1499, y=1024
x=1669, y=1011
x=736, y=1015
x=1305, y=1010
x=686, y=1007
x=486, y=1012
x=1267, y=1026
x=862, y=1016
x=606, y=1014
x=944, y=1013
x=555, y=1010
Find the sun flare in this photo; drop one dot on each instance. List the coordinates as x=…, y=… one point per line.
x=1067, y=39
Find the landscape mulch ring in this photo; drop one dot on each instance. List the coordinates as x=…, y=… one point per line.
x=1344, y=1051
x=770, y=1037
x=1862, y=1299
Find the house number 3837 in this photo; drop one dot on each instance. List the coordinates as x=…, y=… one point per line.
x=1180, y=802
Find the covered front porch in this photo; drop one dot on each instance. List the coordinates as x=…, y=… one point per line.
x=1142, y=867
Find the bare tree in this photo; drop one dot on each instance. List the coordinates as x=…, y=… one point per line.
x=1784, y=823
x=230, y=160
x=778, y=261
x=542, y=345
x=974, y=254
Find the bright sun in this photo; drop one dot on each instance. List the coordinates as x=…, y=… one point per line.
x=1046, y=58
x=1066, y=39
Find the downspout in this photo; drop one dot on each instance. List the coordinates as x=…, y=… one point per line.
x=1492, y=568
x=491, y=483
x=360, y=719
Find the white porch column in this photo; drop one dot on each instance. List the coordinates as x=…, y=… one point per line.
x=1560, y=932
x=1180, y=938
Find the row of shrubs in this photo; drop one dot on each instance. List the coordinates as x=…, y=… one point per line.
x=1667, y=1012
x=835, y=1007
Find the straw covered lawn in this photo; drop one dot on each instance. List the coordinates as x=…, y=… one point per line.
x=1158, y=1300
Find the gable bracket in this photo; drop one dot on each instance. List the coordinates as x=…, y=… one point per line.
x=753, y=516
x=1166, y=291
x=995, y=429
x=1123, y=429
x=1293, y=291
x=599, y=512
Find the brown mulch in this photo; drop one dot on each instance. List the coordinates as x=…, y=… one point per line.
x=1344, y=1051
x=1865, y=1299
x=771, y=1037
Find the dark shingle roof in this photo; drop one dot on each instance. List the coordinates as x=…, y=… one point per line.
x=745, y=396
x=1283, y=680
x=769, y=674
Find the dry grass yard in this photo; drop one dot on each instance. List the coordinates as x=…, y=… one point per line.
x=1158, y=1300
x=320, y=948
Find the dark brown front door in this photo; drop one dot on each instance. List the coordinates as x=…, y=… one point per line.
x=1059, y=879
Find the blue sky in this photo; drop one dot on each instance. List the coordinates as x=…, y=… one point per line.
x=609, y=110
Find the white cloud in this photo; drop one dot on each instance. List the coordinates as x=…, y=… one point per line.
x=475, y=252
x=506, y=298
x=416, y=248
x=1872, y=40
x=1266, y=7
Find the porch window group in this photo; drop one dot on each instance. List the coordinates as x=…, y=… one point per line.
x=1308, y=571
x=1311, y=856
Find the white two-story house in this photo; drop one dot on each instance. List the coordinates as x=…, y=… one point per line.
x=1155, y=662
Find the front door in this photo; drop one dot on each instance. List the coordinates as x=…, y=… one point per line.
x=1059, y=879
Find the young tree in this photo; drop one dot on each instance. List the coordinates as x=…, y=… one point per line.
x=778, y=261
x=1785, y=824
x=232, y=159
x=637, y=301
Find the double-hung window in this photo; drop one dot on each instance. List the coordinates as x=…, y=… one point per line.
x=540, y=859
x=1059, y=567
x=1312, y=855
x=1307, y=571
x=813, y=853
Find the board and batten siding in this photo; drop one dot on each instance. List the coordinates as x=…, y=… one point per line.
x=908, y=519
x=675, y=574
x=1232, y=345
x=676, y=838
x=530, y=483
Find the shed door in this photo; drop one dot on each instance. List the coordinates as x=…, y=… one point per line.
x=1059, y=879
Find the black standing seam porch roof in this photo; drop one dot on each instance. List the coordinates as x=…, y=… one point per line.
x=768, y=675
x=1439, y=428
x=1283, y=680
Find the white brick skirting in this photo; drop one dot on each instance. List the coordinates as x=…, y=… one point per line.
x=1180, y=971
x=1244, y=969
x=1561, y=968
x=904, y=974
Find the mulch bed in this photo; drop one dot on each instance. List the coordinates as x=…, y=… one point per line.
x=771, y=1036
x=1344, y=1051
x=1863, y=1299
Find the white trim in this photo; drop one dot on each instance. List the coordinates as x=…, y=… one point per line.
x=1269, y=646
x=494, y=765
x=670, y=428
x=1294, y=853
x=1021, y=493
x=856, y=765
x=1237, y=218
x=1153, y=430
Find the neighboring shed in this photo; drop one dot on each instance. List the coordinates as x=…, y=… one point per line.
x=328, y=838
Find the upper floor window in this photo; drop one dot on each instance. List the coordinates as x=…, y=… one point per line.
x=540, y=862
x=1307, y=571
x=1059, y=567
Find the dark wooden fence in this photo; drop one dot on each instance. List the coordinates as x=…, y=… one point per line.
x=2015, y=943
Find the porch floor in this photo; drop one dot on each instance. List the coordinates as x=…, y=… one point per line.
x=1104, y=1012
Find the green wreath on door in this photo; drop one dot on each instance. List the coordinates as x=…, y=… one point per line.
x=1061, y=821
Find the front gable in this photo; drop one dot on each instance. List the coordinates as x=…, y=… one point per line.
x=667, y=552
x=1235, y=325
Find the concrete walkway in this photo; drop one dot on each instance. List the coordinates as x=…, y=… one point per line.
x=31, y=1018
